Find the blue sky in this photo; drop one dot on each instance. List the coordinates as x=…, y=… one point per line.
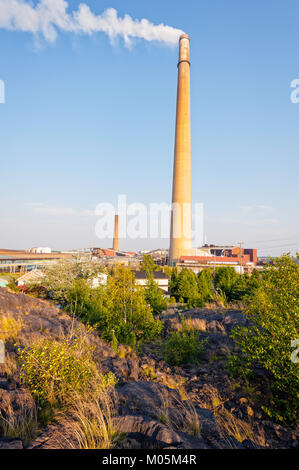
x=85, y=120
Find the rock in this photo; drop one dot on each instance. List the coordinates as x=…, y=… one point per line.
x=148, y=430
x=133, y=369
x=56, y=436
x=248, y=444
x=16, y=402
x=215, y=327
x=243, y=400
x=118, y=366
x=12, y=444
x=145, y=398
x=209, y=430
x=4, y=384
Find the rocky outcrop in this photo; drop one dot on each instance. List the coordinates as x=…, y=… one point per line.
x=12, y=444
x=158, y=405
x=15, y=403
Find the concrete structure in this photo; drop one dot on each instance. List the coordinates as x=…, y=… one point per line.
x=115, y=239
x=181, y=217
x=160, y=278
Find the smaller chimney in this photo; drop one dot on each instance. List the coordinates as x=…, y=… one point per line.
x=115, y=239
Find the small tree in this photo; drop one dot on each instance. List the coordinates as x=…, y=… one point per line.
x=187, y=287
x=205, y=285
x=174, y=281
x=124, y=310
x=154, y=296
x=148, y=264
x=274, y=314
x=224, y=280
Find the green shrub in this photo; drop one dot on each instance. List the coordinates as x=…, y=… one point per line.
x=224, y=280
x=154, y=296
x=114, y=343
x=183, y=347
x=187, y=286
x=205, y=285
x=54, y=370
x=120, y=308
x=266, y=343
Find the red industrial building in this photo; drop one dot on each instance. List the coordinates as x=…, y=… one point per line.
x=244, y=259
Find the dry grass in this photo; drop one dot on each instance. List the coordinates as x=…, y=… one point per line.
x=10, y=328
x=179, y=415
x=92, y=421
x=175, y=383
x=123, y=351
x=228, y=424
x=10, y=367
x=191, y=324
x=22, y=425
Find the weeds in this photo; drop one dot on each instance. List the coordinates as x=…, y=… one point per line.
x=22, y=425
x=10, y=328
x=228, y=424
x=92, y=421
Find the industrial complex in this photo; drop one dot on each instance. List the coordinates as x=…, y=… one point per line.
x=180, y=253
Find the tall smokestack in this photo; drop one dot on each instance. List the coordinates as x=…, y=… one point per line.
x=181, y=217
x=115, y=239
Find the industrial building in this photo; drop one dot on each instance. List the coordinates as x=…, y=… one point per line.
x=241, y=259
x=14, y=261
x=40, y=250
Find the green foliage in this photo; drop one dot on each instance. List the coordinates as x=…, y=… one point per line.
x=235, y=286
x=12, y=285
x=53, y=370
x=183, y=347
x=167, y=270
x=174, y=281
x=154, y=296
x=114, y=342
x=172, y=300
x=148, y=264
x=274, y=313
x=188, y=289
x=126, y=310
x=77, y=296
x=60, y=277
x=224, y=280
x=118, y=309
x=205, y=285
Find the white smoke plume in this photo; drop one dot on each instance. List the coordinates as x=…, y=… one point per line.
x=47, y=17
